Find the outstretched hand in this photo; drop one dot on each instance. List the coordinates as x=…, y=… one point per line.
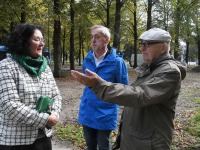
x=88, y=80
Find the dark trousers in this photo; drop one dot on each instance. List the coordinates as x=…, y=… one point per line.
x=94, y=137
x=39, y=144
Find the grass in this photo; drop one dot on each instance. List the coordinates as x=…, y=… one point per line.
x=194, y=126
x=187, y=133
x=72, y=133
x=185, y=137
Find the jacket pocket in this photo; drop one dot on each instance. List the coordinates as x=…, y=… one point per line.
x=141, y=133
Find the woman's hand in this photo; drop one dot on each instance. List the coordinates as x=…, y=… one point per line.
x=52, y=120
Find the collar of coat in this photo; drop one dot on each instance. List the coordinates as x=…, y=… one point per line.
x=145, y=68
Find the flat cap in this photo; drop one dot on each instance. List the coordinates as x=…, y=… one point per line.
x=155, y=34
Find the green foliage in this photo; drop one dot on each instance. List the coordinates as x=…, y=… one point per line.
x=195, y=131
x=196, y=119
x=72, y=133
x=197, y=99
x=187, y=134
x=90, y=12
x=194, y=126
x=128, y=48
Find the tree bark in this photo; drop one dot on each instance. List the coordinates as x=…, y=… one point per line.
x=149, y=14
x=117, y=34
x=72, y=12
x=23, y=11
x=57, y=40
x=135, y=34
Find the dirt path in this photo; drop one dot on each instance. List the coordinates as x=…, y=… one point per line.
x=72, y=90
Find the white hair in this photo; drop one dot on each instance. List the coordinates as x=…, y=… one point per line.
x=104, y=30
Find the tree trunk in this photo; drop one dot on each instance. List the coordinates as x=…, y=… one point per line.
x=23, y=12
x=187, y=52
x=63, y=51
x=108, y=13
x=117, y=34
x=177, y=19
x=149, y=14
x=82, y=49
x=57, y=40
x=135, y=34
x=72, y=12
x=198, y=44
x=79, y=51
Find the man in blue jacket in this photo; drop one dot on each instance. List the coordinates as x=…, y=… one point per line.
x=99, y=118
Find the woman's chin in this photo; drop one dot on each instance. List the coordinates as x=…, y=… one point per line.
x=36, y=55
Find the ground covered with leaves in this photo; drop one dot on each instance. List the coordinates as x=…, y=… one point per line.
x=187, y=120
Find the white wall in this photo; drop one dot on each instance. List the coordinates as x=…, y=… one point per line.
x=139, y=59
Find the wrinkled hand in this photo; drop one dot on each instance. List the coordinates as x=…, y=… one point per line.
x=52, y=120
x=88, y=80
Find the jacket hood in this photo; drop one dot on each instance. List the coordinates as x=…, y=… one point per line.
x=181, y=65
x=183, y=68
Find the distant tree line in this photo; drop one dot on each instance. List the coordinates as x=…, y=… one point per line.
x=67, y=25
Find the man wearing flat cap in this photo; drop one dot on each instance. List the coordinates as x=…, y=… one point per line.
x=147, y=118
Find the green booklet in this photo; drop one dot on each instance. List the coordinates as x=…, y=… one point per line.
x=44, y=104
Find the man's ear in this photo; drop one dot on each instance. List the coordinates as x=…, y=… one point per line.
x=107, y=40
x=164, y=48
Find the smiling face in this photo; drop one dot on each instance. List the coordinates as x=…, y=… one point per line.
x=36, y=44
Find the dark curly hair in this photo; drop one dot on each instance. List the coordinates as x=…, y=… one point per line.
x=18, y=40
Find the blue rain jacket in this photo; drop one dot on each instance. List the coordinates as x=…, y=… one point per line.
x=94, y=112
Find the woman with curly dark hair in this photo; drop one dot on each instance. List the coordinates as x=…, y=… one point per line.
x=30, y=101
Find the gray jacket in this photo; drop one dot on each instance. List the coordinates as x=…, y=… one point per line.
x=149, y=104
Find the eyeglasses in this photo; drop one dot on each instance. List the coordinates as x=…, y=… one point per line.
x=38, y=39
x=96, y=37
x=146, y=44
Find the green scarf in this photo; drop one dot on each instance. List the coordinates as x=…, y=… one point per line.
x=34, y=66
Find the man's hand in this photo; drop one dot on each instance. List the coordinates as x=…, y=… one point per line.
x=88, y=80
